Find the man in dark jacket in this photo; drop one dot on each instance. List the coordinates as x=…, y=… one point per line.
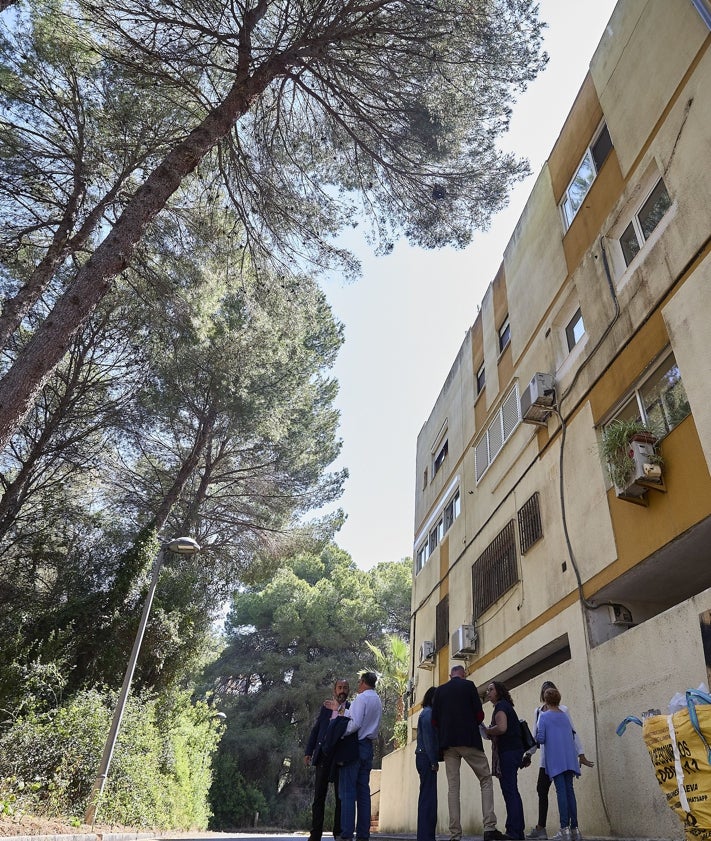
x=457, y=714
x=313, y=755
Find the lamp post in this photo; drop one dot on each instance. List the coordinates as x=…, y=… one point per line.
x=181, y=546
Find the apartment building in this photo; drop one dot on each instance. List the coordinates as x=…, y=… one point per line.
x=529, y=563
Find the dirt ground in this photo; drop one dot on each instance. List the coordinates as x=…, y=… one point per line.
x=31, y=825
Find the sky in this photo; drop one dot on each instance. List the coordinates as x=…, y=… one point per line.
x=406, y=317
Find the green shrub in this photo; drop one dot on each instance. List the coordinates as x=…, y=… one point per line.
x=161, y=769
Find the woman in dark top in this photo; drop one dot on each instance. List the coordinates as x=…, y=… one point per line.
x=505, y=733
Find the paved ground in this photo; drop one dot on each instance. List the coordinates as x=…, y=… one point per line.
x=242, y=836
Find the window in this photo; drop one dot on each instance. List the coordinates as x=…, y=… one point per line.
x=585, y=175
x=530, y=528
x=506, y=419
x=575, y=329
x=442, y=624
x=422, y=555
x=440, y=457
x=452, y=510
x=660, y=400
x=703, y=7
x=645, y=221
x=495, y=571
x=480, y=379
x=504, y=334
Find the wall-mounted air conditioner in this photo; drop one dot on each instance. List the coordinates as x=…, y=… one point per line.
x=620, y=615
x=647, y=471
x=538, y=398
x=427, y=655
x=464, y=642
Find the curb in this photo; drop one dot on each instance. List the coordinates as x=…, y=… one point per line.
x=85, y=836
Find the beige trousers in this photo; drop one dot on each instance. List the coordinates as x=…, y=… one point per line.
x=477, y=761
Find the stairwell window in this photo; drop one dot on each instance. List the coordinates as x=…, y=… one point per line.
x=575, y=330
x=645, y=221
x=585, y=174
x=480, y=379
x=504, y=334
x=440, y=456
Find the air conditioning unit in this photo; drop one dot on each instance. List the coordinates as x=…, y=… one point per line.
x=427, y=655
x=537, y=399
x=464, y=642
x=647, y=472
x=620, y=615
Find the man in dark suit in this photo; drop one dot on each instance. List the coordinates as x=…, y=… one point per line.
x=456, y=715
x=313, y=755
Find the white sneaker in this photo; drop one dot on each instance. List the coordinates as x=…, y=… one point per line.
x=575, y=834
x=563, y=834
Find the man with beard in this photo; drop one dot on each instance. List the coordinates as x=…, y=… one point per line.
x=325, y=769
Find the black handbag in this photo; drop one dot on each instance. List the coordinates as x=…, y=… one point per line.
x=526, y=735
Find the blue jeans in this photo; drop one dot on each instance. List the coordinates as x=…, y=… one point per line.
x=354, y=789
x=509, y=763
x=427, y=800
x=567, y=805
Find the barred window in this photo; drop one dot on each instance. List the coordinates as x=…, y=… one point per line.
x=530, y=528
x=495, y=571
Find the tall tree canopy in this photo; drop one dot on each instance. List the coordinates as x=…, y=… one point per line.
x=301, y=116
x=288, y=639
x=208, y=415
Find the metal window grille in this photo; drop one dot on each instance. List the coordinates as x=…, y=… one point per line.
x=530, y=528
x=442, y=624
x=495, y=571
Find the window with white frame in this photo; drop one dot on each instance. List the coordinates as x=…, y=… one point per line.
x=659, y=400
x=585, y=174
x=451, y=510
x=504, y=422
x=644, y=221
x=504, y=334
x=574, y=330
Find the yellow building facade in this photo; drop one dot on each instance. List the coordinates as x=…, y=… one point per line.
x=529, y=563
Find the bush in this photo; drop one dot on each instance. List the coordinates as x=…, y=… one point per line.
x=161, y=770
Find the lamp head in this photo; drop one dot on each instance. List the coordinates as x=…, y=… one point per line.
x=183, y=546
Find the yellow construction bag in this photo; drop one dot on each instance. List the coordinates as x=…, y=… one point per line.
x=678, y=746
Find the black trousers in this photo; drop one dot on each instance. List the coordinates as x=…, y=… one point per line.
x=542, y=788
x=321, y=780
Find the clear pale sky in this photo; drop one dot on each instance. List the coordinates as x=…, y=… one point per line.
x=407, y=316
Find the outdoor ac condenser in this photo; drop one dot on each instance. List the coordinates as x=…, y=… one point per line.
x=426, y=655
x=538, y=398
x=464, y=642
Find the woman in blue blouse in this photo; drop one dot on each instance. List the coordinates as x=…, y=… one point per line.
x=505, y=733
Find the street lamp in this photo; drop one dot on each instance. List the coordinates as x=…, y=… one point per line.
x=181, y=546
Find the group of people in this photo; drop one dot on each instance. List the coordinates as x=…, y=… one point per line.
x=451, y=727
x=340, y=747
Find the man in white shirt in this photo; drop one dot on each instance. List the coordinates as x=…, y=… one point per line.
x=354, y=777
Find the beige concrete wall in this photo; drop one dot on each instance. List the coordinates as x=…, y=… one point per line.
x=687, y=317
x=630, y=674
x=535, y=263
x=624, y=64
x=635, y=672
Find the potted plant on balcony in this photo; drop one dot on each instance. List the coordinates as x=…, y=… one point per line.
x=619, y=453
